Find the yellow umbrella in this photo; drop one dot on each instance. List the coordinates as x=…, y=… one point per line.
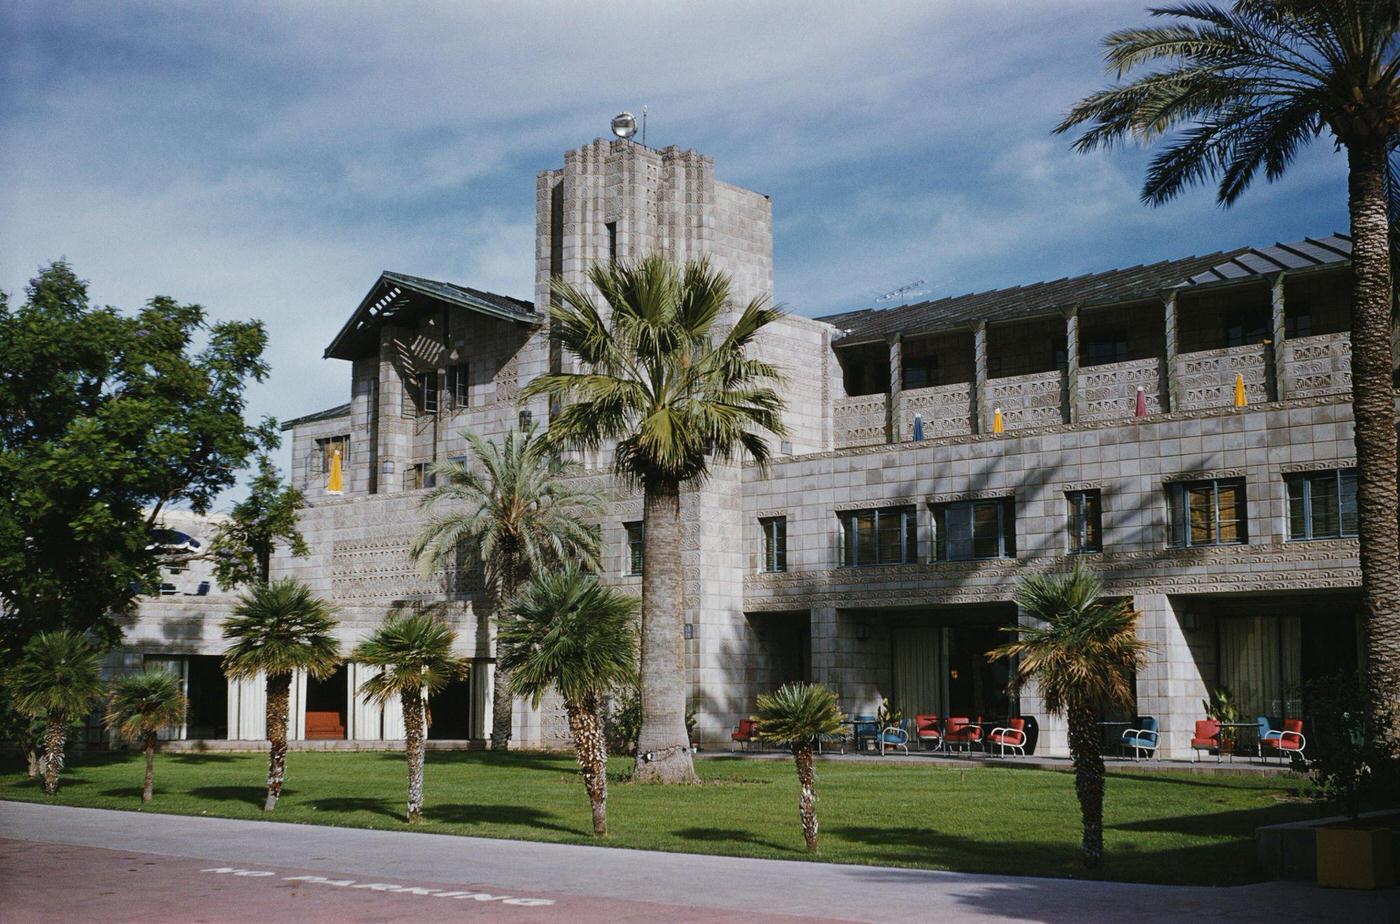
x=998, y=424
x=335, y=484
x=1240, y=399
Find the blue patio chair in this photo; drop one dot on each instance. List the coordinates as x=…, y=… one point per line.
x=864, y=728
x=895, y=736
x=1268, y=737
x=1143, y=739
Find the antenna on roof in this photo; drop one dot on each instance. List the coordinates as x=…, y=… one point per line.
x=905, y=292
x=644, y=126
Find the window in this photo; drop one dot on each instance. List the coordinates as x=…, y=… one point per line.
x=612, y=241
x=419, y=476
x=889, y=536
x=458, y=388
x=774, y=543
x=1244, y=328
x=325, y=452
x=920, y=371
x=1105, y=347
x=1322, y=505
x=1085, y=522
x=1207, y=513
x=636, y=547
x=420, y=395
x=967, y=530
x=525, y=420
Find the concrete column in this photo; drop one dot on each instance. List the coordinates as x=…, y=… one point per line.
x=894, y=423
x=981, y=414
x=1073, y=407
x=393, y=432
x=824, y=642
x=1170, y=686
x=1054, y=731
x=1280, y=331
x=1172, y=393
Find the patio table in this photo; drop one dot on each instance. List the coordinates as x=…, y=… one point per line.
x=1234, y=747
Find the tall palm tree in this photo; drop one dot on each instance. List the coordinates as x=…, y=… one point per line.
x=1083, y=652
x=58, y=676
x=675, y=391
x=565, y=631
x=277, y=629
x=517, y=507
x=798, y=715
x=413, y=651
x=1245, y=86
x=141, y=705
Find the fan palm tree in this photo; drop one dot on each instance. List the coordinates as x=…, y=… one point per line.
x=1245, y=86
x=277, y=629
x=517, y=506
x=567, y=632
x=141, y=705
x=58, y=676
x=414, y=654
x=1083, y=653
x=798, y=715
x=675, y=392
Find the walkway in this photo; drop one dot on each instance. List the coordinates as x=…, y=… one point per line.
x=73, y=864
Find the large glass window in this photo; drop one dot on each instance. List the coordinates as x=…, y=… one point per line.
x=774, y=543
x=636, y=547
x=1322, y=505
x=418, y=476
x=888, y=536
x=1085, y=521
x=965, y=530
x=1207, y=513
x=458, y=386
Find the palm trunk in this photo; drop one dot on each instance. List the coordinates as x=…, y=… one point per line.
x=807, y=796
x=148, y=791
x=663, y=744
x=31, y=755
x=414, y=749
x=1088, y=778
x=502, y=702
x=1373, y=405
x=279, y=690
x=591, y=750
x=55, y=737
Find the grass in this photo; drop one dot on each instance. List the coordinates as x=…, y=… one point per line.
x=1159, y=827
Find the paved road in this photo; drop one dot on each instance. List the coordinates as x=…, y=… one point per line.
x=116, y=866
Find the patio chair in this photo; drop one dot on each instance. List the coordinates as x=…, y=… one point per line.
x=1206, y=738
x=1267, y=735
x=746, y=735
x=1013, y=736
x=1289, y=739
x=963, y=731
x=928, y=730
x=864, y=728
x=894, y=736
x=1143, y=739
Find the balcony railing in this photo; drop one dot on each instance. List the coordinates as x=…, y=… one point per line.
x=1035, y=400
x=1109, y=392
x=1319, y=365
x=1207, y=379
x=860, y=421
x=946, y=410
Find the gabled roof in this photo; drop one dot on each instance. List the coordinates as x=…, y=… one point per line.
x=1104, y=288
x=330, y=413
x=397, y=294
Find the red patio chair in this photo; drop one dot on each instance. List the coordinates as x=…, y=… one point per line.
x=1207, y=738
x=961, y=730
x=927, y=729
x=1013, y=736
x=1288, y=741
x=746, y=734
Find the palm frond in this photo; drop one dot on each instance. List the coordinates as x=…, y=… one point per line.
x=58, y=674
x=798, y=713
x=413, y=651
x=278, y=628
x=143, y=704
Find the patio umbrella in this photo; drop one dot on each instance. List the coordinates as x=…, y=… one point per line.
x=918, y=427
x=998, y=424
x=1240, y=399
x=1140, y=408
x=335, y=484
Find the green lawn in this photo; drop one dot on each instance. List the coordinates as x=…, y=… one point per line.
x=1162, y=827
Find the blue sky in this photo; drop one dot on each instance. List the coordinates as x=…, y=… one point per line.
x=269, y=160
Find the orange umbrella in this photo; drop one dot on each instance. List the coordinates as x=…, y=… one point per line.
x=1240, y=398
x=998, y=424
x=335, y=484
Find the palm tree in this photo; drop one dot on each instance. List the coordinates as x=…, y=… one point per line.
x=516, y=507
x=414, y=654
x=566, y=631
x=58, y=676
x=675, y=391
x=798, y=715
x=141, y=705
x=1246, y=86
x=1084, y=653
x=277, y=629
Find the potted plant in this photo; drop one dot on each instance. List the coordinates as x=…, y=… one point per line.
x=1221, y=707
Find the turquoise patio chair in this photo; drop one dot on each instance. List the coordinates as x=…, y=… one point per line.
x=1143, y=739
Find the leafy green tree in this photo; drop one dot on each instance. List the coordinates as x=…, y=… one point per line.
x=105, y=419
x=58, y=676
x=1083, y=654
x=243, y=544
x=517, y=506
x=565, y=631
x=799, y=715
x=1244, y=87
x=413, y=652
x=675, y=391
x=140, y=706
x=277, y=629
